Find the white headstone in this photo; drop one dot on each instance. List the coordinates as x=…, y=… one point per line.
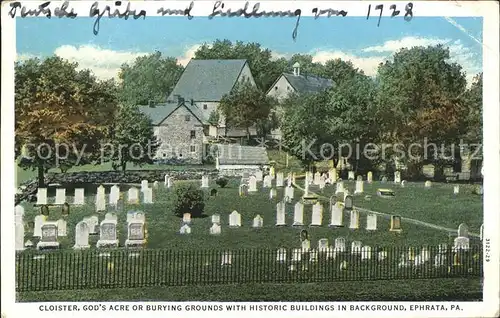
x=19, y=244
x=79, y=198
x=356, y=247
x=354, y=220
x=114, y=195
x=463, y=230
x=306, y=245
x=92, y=222
x=317, y=214
x=289, y=194
x=82, y=232
x=323, y=245
x=60, y=196
x=350, y=175
x=259, y=175
x=456, y=189
x=340, y=187
x=147, y=195
x=49, y=235
x=155, y=184
x=272, y=193
x=298, y=214
x=397, y=177
x=366, y=252
x=186, y=218
x=317, y=178
x=359, y=187
x=204, y=181
x=279, y=179
x=403, y=183
x=185, y=229
x=280, y=214
x=215, y=229
x=428, y=184
x=170, y=182
x=133, y=196
x=340, y=244
x=267, y=182
x=371, y=222
x=165, y=182
x=461, y=243
x=348, y=204
x=144, y=184
x=216, y=218
x=258, y=221
x=39, y=220
x=61, y=227
x=369, y=177
x=252, y=184
x=336, y=214
x=234, y=219
x=41, y=196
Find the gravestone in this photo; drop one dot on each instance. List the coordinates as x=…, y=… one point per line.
x=359, y=187
x=170, y=182
x=317, y=214
x=147, y=195
x=289, y=194
x=258, y=221
x=298, y=214
x=81, y=235
x=215, y=229
x=114, y=195
x=280, y=179
x=185, y=229
x=348, y=204
x=289, y=180
x=359, y=178
x=61, y=227
x=369, y=177
x=155, y=185
x=461, y=243
x=306, y=245
x=19, y=232
x=144, y=184
x=259, y=175
x=136, y=233
x=272, y=193
x=395, y=223
x=403, y=183
x=107, y=234
x=371, y=222
x=92, y=222
x=332, y=174
x=340, y=245
x=49, y=236
x=39, y=221
x=204, y=181
x=267, y=182
x=456, y=189
x=366, y=253
x=234, y=219
x=226, y=258
x=317, y=178
x=280, y=214
x=340, y=187
x=356, y=247
x=252, y=184
x=384, y=179
x=322, y=183
x=60, y=196
x=216, y=218
x=41, y=196
x=397, y=177
x=350, y=175
x=323, y=245
x=336, y=214
x=186, y=218
x=243, y=190
x=272, y=172
x=281, y=255
x=133, y=196
x=428, y=184
x=165, y=180
x=354, y=220
x=463, y=230
x=79, y=198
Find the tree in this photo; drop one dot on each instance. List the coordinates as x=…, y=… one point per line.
x=213, y=118
x=472, y=129
x=245, y=106
x=265, y=69
x=61, y=114
x=417, y=85
x=187, y=198
x=340, y=71
x=150, y=78
x=132, y=139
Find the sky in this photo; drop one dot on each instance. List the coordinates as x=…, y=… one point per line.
x=350, y=38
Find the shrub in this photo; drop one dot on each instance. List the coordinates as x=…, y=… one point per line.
x=188, y=198
x=221, y=182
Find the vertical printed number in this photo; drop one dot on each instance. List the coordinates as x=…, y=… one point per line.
x=409, y=12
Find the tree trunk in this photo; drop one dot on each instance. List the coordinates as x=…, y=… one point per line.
x=41, y=176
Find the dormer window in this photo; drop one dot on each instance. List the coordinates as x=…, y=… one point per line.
x=187, y=118
x=205, y=106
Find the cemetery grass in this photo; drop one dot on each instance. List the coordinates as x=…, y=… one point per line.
x=455, y=289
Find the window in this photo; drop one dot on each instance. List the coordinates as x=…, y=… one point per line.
x=205, y=106
x=187, y=118
x=193, y=148
x=288, y=87
x=276, y=88
x=164, y=155
x=193, y=134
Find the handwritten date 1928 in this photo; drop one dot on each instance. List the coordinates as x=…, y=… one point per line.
x=408, y=11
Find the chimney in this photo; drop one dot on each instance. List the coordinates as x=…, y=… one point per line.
x=151, y=103
x=192, y=102
x=296, y=69
x=180, y=100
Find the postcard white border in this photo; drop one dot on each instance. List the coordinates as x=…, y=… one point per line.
x=491, y=115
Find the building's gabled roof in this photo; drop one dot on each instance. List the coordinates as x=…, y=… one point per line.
x=234, y=154
x=160, y=112
x=207, y=80
x=308, y=83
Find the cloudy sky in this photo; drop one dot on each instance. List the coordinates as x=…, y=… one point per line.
x=349, y=38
